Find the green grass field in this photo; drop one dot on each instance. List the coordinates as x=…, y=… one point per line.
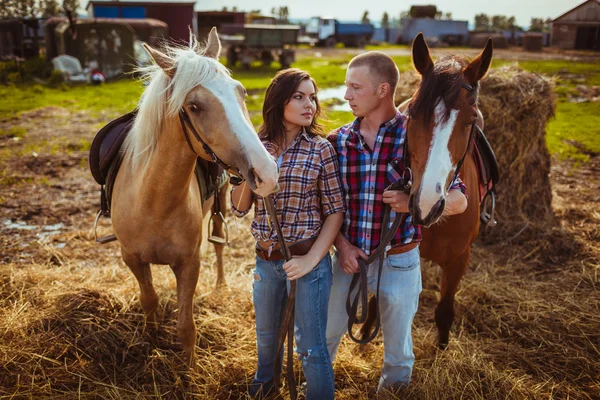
x=573, y=133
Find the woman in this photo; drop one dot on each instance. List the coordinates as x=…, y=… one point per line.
x=310, y=209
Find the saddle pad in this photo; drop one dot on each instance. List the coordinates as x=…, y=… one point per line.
x=106, y=145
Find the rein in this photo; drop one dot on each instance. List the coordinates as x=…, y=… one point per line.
x=287, y=322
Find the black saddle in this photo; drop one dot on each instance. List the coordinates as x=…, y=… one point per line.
x=106, y=156
x=488, y=174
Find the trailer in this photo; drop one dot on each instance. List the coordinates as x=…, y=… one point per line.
x=265, y=43
x=329, y=31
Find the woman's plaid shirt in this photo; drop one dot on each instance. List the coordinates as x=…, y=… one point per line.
x=365, y=175
x=309, y=190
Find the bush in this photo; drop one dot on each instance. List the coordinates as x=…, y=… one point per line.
x=56, y=78
x=37, y=67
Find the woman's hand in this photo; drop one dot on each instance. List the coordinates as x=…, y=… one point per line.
x=299, y=266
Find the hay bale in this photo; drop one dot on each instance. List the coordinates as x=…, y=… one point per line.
x=478, y=40
x=423, y=11
x=532, y=41
x=516, y=105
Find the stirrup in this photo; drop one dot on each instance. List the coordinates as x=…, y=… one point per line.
x=217, y=239
x=488, y=218
x=104, y=239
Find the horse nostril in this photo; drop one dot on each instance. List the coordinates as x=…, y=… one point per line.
x=438, y=188
x=258, y=180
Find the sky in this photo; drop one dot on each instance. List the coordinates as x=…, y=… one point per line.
x=352, y=10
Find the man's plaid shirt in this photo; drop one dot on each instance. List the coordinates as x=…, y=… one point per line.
x=365, y=175
x=309, y=190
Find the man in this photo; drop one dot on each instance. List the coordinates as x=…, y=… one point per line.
x=370, y=151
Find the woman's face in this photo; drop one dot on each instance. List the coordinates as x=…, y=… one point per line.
x=301, y=108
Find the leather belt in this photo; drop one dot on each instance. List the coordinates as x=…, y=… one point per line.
x=403, y=248
x=297, y=249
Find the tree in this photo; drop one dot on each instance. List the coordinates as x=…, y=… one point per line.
x=499, y=22
x=482, y=22
x=49, y=8
x=448, y=16
x=438, y=15
x=69, y=9
x=404, y=14
x=540, y=25
x=365, y=18
x=385, y=20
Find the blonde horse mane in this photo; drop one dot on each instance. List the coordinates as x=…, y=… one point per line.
x=164, y=96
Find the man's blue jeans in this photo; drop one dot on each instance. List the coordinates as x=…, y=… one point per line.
x=312, y=298
x=398, y=301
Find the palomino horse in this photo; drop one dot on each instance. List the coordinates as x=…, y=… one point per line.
x=156, y=205
x=439, y=131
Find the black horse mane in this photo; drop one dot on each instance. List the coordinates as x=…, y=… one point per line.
x=442, y=82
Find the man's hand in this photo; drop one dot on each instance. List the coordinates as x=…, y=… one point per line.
x=348, y=256
x=397, y=200
x=299, y=266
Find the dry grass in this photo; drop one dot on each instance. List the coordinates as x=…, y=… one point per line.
x=71, y=326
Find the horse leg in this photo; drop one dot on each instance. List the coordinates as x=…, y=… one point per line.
x=148, y=296
x=218, y=231
x=187, y=277
x=452, y=272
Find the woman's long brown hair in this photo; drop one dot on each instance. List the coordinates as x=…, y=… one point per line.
x=279, y=93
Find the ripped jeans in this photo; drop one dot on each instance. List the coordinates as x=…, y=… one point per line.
x=312, y=298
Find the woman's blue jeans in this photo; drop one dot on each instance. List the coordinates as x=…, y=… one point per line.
x=312, y=299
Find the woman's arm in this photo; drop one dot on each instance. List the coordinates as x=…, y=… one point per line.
x=241, y=199
x=299, y=266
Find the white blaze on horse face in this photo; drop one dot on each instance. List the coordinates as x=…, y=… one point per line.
x=439, y=164
x=258, y=158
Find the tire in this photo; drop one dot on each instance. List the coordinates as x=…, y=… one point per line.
x=330, y=42
x=362, y=42
x=231, y=57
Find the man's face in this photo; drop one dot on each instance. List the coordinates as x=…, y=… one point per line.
x=361, y=91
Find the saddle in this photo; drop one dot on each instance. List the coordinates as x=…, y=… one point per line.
x=488, y=174
x=106, y=156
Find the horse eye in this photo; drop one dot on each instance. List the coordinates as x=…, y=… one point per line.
x=194, y=108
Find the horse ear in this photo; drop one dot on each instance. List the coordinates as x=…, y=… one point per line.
x=162, y=60
x=477, y=68
x=421, y=57
x=213, y=46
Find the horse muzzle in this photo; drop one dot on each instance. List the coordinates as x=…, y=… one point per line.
x=432, y=216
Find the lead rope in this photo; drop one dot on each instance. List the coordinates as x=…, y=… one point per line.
x=287, y=322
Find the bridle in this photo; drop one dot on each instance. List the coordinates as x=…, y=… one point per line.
x=406, y=156
x=187, y=123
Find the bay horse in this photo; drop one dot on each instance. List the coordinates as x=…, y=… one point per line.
x=441, y=115
x=156, y=206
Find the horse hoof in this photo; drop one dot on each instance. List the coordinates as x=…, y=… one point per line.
x=443, y=346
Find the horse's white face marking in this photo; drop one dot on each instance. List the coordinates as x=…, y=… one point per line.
x=439, y=164
x=224, y=90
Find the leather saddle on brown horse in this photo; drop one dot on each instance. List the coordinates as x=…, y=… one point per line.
x=106, y=157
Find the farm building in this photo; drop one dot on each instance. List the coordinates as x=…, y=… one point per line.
x=179, y=16
x=451, y=32
x=147, y=30
x=224, y=21
x=21, y=37
x=578, y=28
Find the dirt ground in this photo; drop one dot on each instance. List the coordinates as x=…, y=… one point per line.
x=70, y=321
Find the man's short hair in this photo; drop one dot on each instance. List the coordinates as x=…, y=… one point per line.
x=381, y=67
